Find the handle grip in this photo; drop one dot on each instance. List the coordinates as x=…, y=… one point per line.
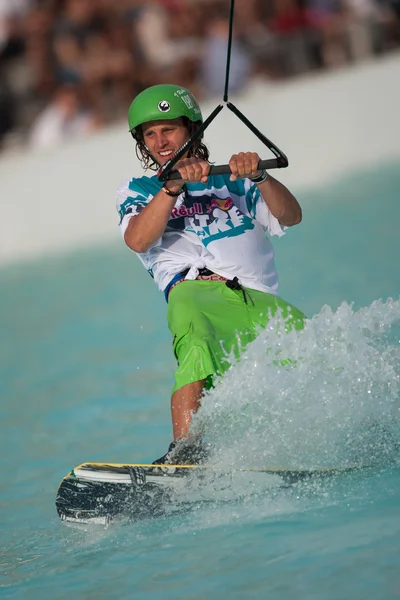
x=271, y=163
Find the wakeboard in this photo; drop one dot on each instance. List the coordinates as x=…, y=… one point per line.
x=102, y=492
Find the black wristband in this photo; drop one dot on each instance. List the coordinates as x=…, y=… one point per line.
x=263, y=176
x=170, y=193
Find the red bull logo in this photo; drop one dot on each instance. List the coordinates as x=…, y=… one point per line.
x=224, y=204
x=184, y=211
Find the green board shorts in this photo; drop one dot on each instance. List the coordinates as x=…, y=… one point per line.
x=207, y=319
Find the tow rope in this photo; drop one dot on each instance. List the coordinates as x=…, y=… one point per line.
x=280, y=161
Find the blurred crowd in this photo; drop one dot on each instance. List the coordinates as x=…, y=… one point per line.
x=68, y=67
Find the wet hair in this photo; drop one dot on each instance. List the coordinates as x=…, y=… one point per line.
x=199, y=150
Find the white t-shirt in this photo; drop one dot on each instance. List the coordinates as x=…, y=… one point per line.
x=220, y=225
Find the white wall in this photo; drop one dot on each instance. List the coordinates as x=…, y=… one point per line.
x=327, y=125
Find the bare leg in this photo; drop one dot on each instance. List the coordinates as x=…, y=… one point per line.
x=184, y=403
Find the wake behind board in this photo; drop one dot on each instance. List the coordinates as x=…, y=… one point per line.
x=102, y=493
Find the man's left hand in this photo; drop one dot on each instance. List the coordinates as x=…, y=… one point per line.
x=244, y=164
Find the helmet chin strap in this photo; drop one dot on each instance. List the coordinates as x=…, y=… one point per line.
x=280, y=161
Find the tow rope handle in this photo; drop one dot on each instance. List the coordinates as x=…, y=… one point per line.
x=166, y=172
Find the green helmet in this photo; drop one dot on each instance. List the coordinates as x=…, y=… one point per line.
x=162, y=102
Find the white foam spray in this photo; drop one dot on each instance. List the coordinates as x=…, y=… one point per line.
x=337, y=404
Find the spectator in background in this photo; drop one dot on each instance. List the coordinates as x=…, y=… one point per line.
x=7, y=109
x=327, y=20
x=169, y=40
x=110, y=70
x=256, y=37
x=213, y=66
x=39, y=59
x=67, y=59
x=385, y=25
x=63, y=119
x=289, y=24
x=92, y=49
x=79, y=18
x=361, y=18
x=11, y=13
x=14, y=75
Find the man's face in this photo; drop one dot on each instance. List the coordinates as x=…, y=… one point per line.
x=164, y=138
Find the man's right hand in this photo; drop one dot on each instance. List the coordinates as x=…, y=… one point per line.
x=191, y=170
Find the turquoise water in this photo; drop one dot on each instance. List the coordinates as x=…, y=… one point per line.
x=86, y=371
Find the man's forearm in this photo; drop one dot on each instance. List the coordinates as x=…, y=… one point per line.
x=148, y=226
x=282, y=204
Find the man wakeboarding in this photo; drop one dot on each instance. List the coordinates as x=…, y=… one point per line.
x=203, y=238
